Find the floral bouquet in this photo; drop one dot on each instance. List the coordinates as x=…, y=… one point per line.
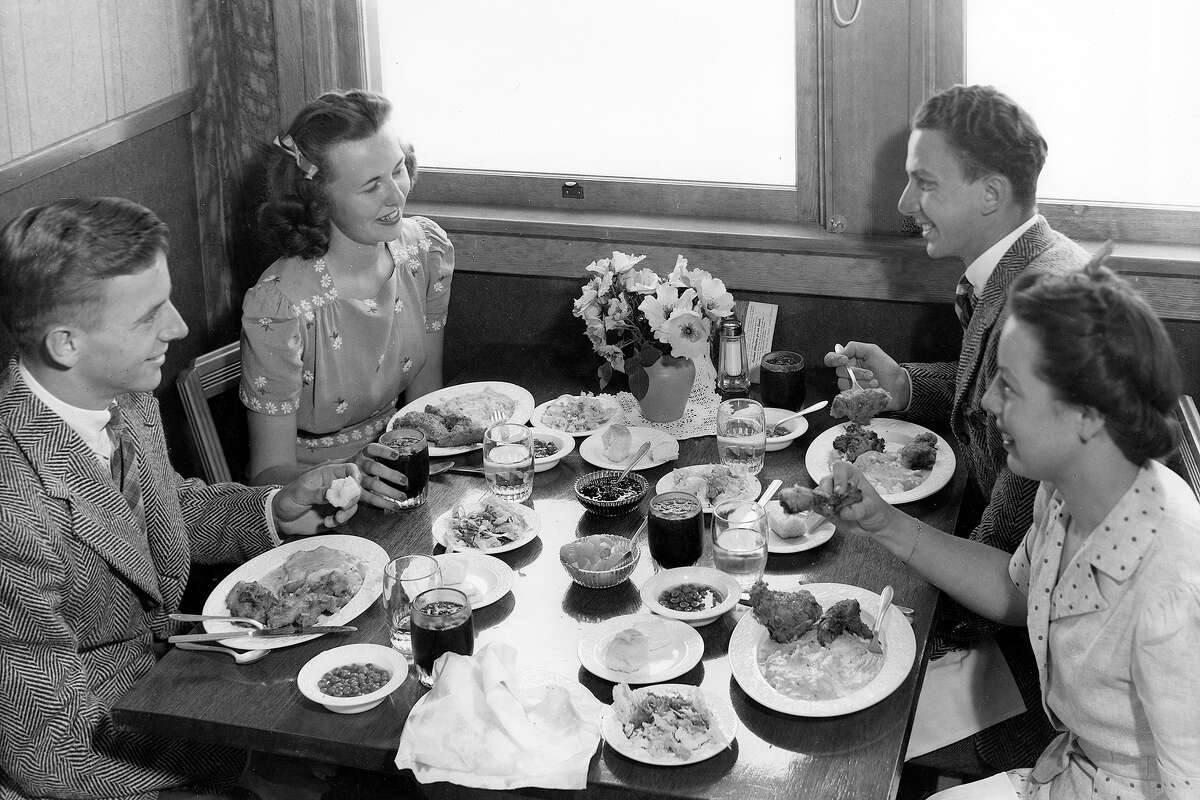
x=634, y=317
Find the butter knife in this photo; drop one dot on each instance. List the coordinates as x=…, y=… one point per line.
x=251, y=633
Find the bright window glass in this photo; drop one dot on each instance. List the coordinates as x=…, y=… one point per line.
x=689, y=90
x=1111, y=85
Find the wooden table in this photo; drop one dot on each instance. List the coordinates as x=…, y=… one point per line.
x=207, y=698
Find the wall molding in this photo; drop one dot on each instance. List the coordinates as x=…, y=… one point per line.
x=76, y=148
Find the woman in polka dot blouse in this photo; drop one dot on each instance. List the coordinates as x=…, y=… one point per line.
x=1107, y=580
x=352, y=315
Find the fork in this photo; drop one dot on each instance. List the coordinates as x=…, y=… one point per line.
x=849, y=370
x=885, y=600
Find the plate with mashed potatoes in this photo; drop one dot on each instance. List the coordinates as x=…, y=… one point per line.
x=803, y=650
x=902, y=460
x=640, y=648
x=454, y=418
x=316, y=580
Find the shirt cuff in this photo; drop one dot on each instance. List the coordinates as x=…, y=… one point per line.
x=272, y=531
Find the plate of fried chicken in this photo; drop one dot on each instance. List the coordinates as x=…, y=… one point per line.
x=902, y=460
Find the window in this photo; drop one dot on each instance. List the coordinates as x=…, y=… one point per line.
x=683, y=103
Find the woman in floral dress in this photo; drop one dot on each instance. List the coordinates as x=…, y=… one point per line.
x=352, y=315
x=1107, y=579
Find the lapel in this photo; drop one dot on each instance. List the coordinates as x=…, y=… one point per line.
x=100, y=517
x=990, y=310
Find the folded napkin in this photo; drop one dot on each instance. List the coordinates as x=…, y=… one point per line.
x=490, y=725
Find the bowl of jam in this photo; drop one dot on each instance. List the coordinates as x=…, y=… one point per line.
x=606, y=493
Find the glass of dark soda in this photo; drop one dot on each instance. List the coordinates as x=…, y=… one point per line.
x=675, y=529
x=412, y=461
x=441, y=623
x=781, y=380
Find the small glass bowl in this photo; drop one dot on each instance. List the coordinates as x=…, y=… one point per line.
x=611, y=508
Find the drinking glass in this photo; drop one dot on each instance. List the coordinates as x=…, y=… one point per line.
x=441, y=623
x=781, y=380
x=739, y=539
x=675, y=529
x=742, y=434
x=412, y=461
x=508, y=461
x=403, y=579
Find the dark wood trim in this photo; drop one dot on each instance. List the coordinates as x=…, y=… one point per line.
x=1165, y=224
x=56, y=156
x=810, y=111
x=319, y=46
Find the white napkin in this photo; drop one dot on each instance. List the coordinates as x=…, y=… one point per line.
x=489, y=725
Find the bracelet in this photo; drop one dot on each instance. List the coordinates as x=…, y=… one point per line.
x=916, y=541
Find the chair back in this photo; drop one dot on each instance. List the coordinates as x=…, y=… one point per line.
x=1187, y=460
x=207, y=382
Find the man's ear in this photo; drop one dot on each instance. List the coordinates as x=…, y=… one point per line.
x=62, y=344
x=996, y=192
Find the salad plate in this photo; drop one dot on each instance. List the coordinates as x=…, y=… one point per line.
x=373, y=558
x=896, y=433
x=750, y=489
x=443, y=531
x=558, y=415
x=522, y=408
x=482, y=578
x=723, y=722
x=673, y=648
x=814, y=536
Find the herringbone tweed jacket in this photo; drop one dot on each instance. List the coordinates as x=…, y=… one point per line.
x=1009, y=511
x=81, y=605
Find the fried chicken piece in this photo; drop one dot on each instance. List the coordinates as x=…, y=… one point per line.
x=429, y=424
x=786, y=615
x=844, y=616
x=460, y=430
x=251, y=599
x=860, y=405
x=796, y=499
x=857, y=440
x=920, y=453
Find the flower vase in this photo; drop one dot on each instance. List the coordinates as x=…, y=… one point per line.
x=670, y=383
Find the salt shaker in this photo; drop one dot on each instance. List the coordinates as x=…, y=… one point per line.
x=733, y=374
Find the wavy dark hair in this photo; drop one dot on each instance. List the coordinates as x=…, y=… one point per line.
x=1103, y=347
x=295, y=217
x=991, y=135
x=54, y=258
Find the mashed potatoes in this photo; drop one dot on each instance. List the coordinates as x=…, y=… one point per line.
x=806, y=670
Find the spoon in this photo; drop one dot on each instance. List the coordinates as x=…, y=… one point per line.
x=440, y=467
x=837, y=348
x=645, y=448
x=240, y=656
x=814, y=407
x=885, y=600
x=770, y=492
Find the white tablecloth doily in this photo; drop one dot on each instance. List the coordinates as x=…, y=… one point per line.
x=699, y=418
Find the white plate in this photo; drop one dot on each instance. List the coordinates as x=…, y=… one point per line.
x=675, y=647
x=592, y=449
x=723, y=718
x=899, y=651
x=565, y=442
x=520, y=413
x=373, y=557
x=441, y=532
x=616, y=414
x=896, y=433
x=482, y=578
x=666, y=483
x=814, y=538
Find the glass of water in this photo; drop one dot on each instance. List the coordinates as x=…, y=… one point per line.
x=742, y=434
x=739, y=536
x=403, y=579
x=508, y=461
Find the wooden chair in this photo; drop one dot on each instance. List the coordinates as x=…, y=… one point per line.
x=1187, y=460
x=207, y=381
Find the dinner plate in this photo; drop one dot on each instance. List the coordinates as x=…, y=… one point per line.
x=373, y=557
x=750, y=491
x=899, y=652
x=520, y=413
x=814, y=538
x=482, y=578
x=615, y=415
x=896, y=433
x=441, y=532
x=723, y=718
x=675, y=647
x=592, y=449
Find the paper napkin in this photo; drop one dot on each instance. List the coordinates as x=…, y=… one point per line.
x=489, y=724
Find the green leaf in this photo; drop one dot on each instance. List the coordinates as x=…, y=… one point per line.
x=604, y=372
x=639, y=381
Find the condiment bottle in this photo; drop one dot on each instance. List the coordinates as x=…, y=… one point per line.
x=733, y=374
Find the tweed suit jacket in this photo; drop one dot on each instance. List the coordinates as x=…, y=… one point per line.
x=81, y=606
x=1008, y=512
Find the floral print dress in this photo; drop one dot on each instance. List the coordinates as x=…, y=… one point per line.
x=340, y=363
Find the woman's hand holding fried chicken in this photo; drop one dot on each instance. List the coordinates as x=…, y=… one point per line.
x=870, y=514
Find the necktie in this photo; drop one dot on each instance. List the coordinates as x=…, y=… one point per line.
x=123, y=463
x=964, y=301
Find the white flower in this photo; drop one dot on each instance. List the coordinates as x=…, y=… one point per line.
x=622, y=262
x=408, y=362
x=612, y=354
x=372, y=306
x=714, y=300
x=658, y=306
x=260, y=383
x=587, y=299
x=341, y=407
x=308, y=377
x=265, y=323
x=439, y=286
x=335, y=341
x=617, y=313
x=679, y=275
x=595, y=333
x=600, y=266
x=642, y=281
x=687, y=333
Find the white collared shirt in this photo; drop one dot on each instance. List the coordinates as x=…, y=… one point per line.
x=89, y=423
x=982, y=268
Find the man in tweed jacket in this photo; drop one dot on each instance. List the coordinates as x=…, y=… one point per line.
x=974, y=157
x=88, y=574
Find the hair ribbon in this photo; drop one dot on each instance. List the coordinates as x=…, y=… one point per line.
x=288, y=145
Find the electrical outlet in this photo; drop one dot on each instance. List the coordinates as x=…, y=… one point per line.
x=572, y=190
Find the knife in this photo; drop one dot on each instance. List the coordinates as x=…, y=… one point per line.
x=251, y=633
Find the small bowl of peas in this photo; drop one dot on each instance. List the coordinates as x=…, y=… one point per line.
x=549, y=447
x=352, y=678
